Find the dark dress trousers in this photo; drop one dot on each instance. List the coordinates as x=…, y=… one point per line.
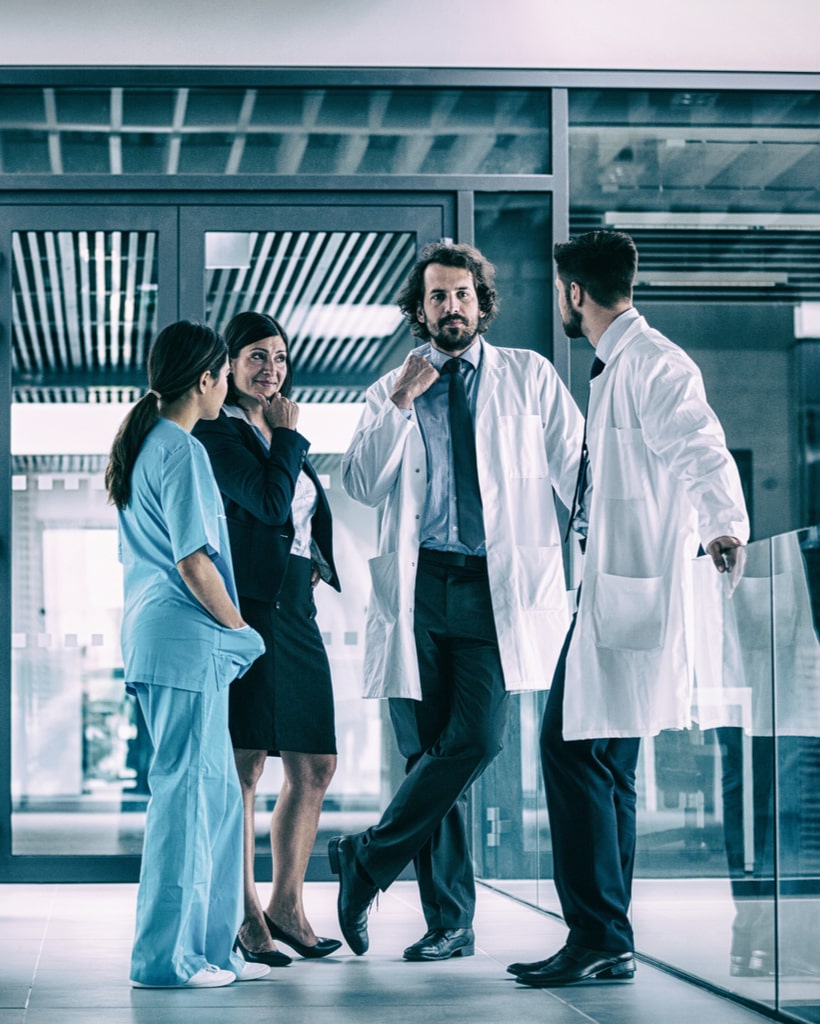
x=591, y=800
x=448, y=739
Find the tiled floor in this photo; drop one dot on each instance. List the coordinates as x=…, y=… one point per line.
x=64, y=954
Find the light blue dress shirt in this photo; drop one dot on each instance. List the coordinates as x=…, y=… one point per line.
x=439, y=527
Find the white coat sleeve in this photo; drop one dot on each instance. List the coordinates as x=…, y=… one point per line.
x=563, y=435
x=372, y=462
x=681, y=428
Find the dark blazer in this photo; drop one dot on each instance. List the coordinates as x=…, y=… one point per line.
x=257, y=488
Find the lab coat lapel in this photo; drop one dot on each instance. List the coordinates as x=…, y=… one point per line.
x=491, y=373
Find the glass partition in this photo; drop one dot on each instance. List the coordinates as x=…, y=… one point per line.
x=796, y=718
x=727, y=875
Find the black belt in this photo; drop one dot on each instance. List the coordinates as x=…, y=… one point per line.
x=452, y=559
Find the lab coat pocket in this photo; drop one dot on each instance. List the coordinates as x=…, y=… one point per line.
x=521, y=444
x=540, y=575
x=384, y=582
x=629, y=614
x=619, y=467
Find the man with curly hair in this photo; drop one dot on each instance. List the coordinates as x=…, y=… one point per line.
x=461, y=449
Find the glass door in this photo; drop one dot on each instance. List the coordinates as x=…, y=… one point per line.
x=84, y=290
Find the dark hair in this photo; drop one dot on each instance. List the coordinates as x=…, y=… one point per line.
x=411, y=298
x=246, y=329
x=181, y=353
x=604, y=263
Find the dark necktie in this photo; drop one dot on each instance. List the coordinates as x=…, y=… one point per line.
x=468, y=495
x=583, y=465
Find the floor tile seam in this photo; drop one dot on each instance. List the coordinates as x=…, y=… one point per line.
x=52, y=904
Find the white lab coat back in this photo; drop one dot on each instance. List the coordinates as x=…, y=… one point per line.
x=662, y=480
x=528, y=437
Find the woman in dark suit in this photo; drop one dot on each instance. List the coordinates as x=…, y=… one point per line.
x=281, y=541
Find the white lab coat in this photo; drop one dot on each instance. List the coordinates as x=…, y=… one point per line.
x=662, y=478
x=528, y=438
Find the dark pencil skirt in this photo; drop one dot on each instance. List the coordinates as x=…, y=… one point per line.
x=285, y=699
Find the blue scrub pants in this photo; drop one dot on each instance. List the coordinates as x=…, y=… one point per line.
x=189, y=904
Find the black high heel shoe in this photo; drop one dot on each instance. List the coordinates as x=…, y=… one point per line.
x=323, y=947
x=271, y=957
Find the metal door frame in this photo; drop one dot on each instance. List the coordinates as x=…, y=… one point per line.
x=179, y=220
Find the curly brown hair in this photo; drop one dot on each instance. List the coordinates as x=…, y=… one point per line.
x=411, y=297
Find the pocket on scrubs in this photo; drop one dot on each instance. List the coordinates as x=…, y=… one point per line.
x=238, y=649
x=628, y=614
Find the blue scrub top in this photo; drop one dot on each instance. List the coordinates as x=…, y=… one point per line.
x=175, y=509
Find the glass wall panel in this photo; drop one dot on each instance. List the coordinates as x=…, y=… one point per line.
x=796, y=716
x=728, y=863
x=84, y=309
x=348, y=131
x=514, y=231
x=706, y=797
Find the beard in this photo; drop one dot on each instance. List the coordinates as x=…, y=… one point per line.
x=572, y=325
x=452, y=335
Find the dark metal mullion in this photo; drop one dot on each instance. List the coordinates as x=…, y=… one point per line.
x=559, y=165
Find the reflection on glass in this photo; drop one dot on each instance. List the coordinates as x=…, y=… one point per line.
x=796, y=629
x=733, y=703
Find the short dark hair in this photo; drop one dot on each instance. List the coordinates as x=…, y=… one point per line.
x=447, y=254
x=604, y=263
x=247, y=329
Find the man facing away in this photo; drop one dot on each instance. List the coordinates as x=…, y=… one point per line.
x=662, y=480
x=461, y=447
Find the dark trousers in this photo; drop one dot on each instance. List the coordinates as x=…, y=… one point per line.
x=448, y=739
x=590, y=786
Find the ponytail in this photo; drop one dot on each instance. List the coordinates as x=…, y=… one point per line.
x=180, y=355
x=126, y=447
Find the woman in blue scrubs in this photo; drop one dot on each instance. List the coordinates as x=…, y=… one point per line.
x=183, y=642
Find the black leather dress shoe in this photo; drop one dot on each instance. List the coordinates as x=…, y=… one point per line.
x=355, y=894
x=574, y=964
x=441, y=944
x=535, y=965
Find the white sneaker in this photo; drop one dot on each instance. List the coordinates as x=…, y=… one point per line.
x=208, y=977
x=252, y=972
